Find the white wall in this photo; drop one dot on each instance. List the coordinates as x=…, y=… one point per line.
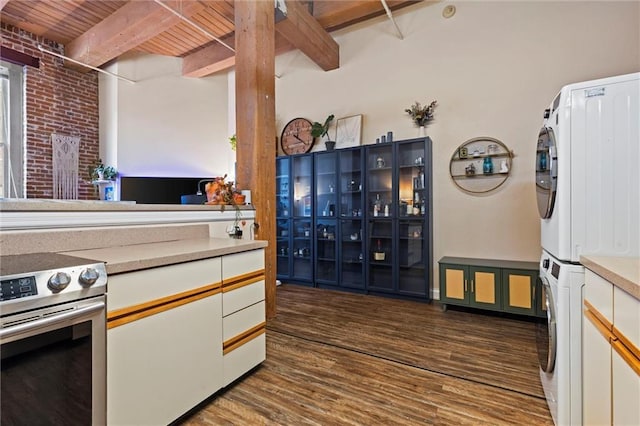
x=493, y=68
x=166, y=124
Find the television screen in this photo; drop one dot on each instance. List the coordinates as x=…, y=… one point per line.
x=160, y=190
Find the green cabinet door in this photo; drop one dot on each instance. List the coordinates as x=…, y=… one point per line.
x=485, y=288
x=454, y=284
x=519, y=291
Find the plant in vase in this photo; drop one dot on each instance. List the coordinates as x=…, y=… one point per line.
x=421, y=114
x=98, y=171
x=224, y=193
x=319, y=130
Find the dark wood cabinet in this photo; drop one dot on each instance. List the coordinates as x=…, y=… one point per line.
x=359, y=219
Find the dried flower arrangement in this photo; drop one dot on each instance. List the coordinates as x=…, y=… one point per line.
x=224, y=193
x=421, y=114
x=221, y=192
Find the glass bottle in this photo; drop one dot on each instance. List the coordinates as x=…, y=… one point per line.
x=487, y=165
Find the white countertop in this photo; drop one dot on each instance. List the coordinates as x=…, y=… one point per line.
x=623, y=272
x=41, y=204
x=143, y=256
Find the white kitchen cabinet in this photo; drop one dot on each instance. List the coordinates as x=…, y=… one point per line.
x=611, y=358
x=164, y=341
x=162, y=365
x=243, y=310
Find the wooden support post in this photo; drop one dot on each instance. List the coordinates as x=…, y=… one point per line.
x=255, y=123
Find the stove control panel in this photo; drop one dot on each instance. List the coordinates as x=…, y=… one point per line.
x=58, y=282
x=18, y=287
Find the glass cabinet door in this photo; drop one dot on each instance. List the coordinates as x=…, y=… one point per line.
x=380, y=264
x=283, y=222
x=413, y=201
x=380, y=210
x=301, y=252
x=380, y=181
x=351, y=250
x=412, y=195
x=302, y=230
x=412, y=278
x=301, y=179
x=326, y=190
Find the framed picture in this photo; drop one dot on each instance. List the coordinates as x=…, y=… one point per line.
x=349, y=131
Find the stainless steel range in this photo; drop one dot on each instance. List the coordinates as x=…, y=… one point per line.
x=52, y=340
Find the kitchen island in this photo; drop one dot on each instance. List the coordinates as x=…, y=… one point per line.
x=185, y=318
x=185, y=302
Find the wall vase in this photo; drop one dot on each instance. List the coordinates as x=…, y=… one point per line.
x=421, y=132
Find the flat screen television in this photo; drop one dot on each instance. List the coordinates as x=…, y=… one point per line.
x=158, y=190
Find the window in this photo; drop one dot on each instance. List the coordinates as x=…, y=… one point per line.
x=12, y=147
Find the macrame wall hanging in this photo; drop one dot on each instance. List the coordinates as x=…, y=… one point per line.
x=65, y=166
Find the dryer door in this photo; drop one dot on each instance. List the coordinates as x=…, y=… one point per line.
x=546, y=172
x=546, y=337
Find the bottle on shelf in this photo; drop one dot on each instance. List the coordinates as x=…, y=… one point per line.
x=386, y=210
x=377, y=206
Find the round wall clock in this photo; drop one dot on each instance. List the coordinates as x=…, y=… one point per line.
x=296, y=137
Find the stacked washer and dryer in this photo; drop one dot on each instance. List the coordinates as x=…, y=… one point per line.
x=588, y=193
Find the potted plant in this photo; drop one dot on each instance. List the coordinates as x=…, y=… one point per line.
x=224, y=193
x=98, y=171
x=421, y=114
x=319, y=130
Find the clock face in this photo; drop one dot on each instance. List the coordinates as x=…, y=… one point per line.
x=296, y=137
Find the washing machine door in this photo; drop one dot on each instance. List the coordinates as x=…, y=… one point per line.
x=546, y=172
x=546, y=337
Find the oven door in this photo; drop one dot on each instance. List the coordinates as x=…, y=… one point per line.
x=546, y=172
x=53, y=365
x=546, y=333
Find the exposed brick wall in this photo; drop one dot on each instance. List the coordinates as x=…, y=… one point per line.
x=58, y=100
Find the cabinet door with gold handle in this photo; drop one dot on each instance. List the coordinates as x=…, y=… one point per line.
x=485, y=287
x=518, y=291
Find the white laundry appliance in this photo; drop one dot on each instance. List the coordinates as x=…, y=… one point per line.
x=588, y=194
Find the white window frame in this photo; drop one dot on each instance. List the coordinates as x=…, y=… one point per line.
x=13, y=170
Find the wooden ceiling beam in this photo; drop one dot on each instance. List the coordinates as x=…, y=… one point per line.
x=305, y=33
x=298, y=30
x=3, y=3
x=128, y=27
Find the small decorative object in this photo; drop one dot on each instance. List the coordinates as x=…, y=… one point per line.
x=331, y=188
x=503, y=167
x=463, y=152
x=476, y=152
x=354, y=236
x=389, y=136
x=383, y=139
x=378, y=254
x=419, y=161
x=296, y=137
x=349, y=131
x=101, y=172
x=233, y=141
x=487, y=166
x=377, y=140
x=421, y=114
x=470, y=170
x=492, y=149
x=65, y=166
x=320, y=130
x=379, y=162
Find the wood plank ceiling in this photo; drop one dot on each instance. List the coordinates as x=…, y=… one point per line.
x=97, y=31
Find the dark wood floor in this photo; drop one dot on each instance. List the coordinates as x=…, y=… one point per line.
x=341, y=358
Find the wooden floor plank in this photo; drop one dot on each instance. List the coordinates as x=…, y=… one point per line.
x=339, y=358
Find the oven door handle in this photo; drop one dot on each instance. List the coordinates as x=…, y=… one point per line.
x=52, y=320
